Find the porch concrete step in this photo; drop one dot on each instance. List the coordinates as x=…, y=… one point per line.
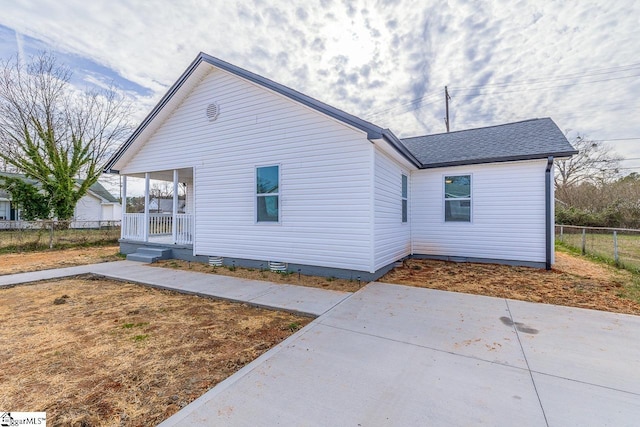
x=149, y=255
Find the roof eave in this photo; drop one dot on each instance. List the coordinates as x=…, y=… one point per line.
x=499, y=159
x=395, y=142
x=108, y=168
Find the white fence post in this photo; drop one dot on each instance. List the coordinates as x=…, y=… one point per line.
x=615, y=247
x=584, y=241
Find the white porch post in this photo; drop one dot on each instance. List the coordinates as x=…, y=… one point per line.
x=123, y=200
x=146, y=207
x=174, y=222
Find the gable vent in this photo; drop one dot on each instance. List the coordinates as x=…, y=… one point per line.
x=213, y=111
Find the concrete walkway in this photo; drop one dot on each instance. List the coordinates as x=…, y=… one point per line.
x=393, y=355
x=398, y=356
x=296, y=299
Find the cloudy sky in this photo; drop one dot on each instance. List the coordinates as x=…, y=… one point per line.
x=386, y=61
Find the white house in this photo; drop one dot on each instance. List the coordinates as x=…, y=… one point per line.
x=165, y=205
x=273, y=175
x=97, y=207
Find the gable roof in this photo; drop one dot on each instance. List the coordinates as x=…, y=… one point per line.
x=525, y=140
x=3, y=193
x=531, y=139
x=97, y=189
x=373, y=131
x=102, y=193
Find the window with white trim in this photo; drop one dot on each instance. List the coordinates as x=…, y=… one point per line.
x=405, y=197
x=268, y=193
x=457, y=198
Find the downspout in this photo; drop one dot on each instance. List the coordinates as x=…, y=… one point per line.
x=548, y=219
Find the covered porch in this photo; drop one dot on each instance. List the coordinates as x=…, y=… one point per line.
x=164, y=215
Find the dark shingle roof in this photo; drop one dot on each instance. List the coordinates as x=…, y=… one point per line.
x=529, y=139
x=101, y=192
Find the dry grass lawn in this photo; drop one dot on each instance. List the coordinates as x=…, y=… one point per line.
x=574, y=281
x=90, y=351
x=93, y=352
x=44, y=260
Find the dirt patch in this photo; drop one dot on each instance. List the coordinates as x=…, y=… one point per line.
x=574, y=281
x=330, y=283
x=90, y=351
x=45, y=260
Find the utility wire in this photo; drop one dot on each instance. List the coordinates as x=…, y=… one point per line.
x=541, y=88
x=618, y=69
x=419, y=102
x=406, y=104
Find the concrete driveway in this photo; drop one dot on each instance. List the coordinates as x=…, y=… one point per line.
x=392, y=355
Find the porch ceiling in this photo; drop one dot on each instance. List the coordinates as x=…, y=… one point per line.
x=185, y=174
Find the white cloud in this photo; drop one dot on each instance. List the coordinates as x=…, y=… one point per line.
x=377, y=56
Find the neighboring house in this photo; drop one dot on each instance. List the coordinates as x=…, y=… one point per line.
x=273, y=175
x=164, y=205
x=8, y=212
x=92, y=210
x=96, y=208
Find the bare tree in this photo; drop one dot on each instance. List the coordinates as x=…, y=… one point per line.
x=161, y=190
x=54, y=133
x=164, y=190
x=594, y=164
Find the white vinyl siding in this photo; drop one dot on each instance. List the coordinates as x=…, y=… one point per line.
x=189, y=201
x=111, y=212
x=325, y=175
x=88, y=208
x=508, y=213
x=392, y=236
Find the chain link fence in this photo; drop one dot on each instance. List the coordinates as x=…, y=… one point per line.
x=17, y=236
x=620, y=246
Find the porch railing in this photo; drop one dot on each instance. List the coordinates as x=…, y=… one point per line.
x=184, y=229
x=160, y=228
x=133, y=226
x=160, y=224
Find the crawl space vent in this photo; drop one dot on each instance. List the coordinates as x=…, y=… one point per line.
x=213, y=111
x=216, y=261
x=278, y=267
